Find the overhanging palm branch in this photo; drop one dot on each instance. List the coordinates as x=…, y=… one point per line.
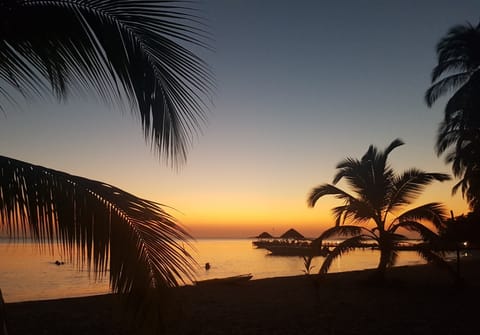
x=97, y=224
x=119, y=49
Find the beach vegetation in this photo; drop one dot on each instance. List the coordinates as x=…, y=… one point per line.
x=133, y=55
x=462, y=230
x=458, y=136
x=374, y=212
x=307, y=264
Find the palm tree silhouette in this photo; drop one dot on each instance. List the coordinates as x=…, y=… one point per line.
x=458, y=70
x=377, y=194
x=127, y=52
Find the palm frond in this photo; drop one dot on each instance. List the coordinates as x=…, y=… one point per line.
x=444, y=86
x=414, y=226
x=466, y=101
x=119, y=49
x=433, y=212
x=344, y=231
x=450, y=131
x=326, y=189
x=460, y=43
x=341, y=249
x=395, y=144
x=99, y=225
x=346, y=168
x=410, y=184
x=353, y=211
x=458, y=59
x=371, y=176
x=449, y=66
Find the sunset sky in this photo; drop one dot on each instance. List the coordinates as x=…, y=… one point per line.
x=301, y=85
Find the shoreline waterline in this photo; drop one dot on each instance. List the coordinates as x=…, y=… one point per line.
x=417, y=299
x=28, y=275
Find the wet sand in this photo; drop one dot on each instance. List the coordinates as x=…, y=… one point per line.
x=414, y=300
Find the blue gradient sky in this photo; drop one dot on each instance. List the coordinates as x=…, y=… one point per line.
x=301, y=85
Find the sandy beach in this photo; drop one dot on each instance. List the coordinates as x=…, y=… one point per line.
x=414, y=300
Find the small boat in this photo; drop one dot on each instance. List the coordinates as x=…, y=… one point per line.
x=226, y=280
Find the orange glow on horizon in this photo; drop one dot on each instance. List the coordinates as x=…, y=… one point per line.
x=230, y=220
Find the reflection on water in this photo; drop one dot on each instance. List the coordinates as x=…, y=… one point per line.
x=28, y=275
x=238, y=256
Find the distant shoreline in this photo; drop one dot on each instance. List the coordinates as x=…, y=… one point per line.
x=419, y=299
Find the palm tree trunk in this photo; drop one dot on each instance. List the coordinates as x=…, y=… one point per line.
x=382, y=265
x=385, y=254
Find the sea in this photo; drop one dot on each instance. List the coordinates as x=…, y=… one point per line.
x=27, y=273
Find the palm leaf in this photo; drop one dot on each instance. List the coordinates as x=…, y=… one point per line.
x=346, y=168
x=449, y=66
x=414, y=226
x=410, y=184
x=99, y=225
x=344, y=230
x=342, y=249
x=466, y=101
x=326, y=189
x=444, y=86
x=460, y=43
x=433, y=212
x=119, y=49
x=395, y=144
x=354, y=211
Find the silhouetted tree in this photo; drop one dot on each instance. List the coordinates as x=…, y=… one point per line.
x=462, y=228
x=369, y=212
x=122, y=51
x=458, y=57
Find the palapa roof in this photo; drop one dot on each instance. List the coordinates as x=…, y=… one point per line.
x=264, y=235
x=293, y=234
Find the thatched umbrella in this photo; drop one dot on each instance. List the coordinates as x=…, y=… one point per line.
x=292, y=234
x=264, y=235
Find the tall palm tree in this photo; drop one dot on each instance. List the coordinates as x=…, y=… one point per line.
x=370, y=211
x=458, y=70
x=130, y=53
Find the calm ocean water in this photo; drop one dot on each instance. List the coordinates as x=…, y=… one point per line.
x=28, y=275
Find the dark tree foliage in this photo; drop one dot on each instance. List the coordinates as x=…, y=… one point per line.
x=458, y=138
x=130, y=53
x=371, y=211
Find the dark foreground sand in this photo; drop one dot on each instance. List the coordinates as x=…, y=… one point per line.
x=415, y=300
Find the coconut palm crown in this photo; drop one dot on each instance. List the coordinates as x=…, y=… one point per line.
x=458, y=137
x=369, y=211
